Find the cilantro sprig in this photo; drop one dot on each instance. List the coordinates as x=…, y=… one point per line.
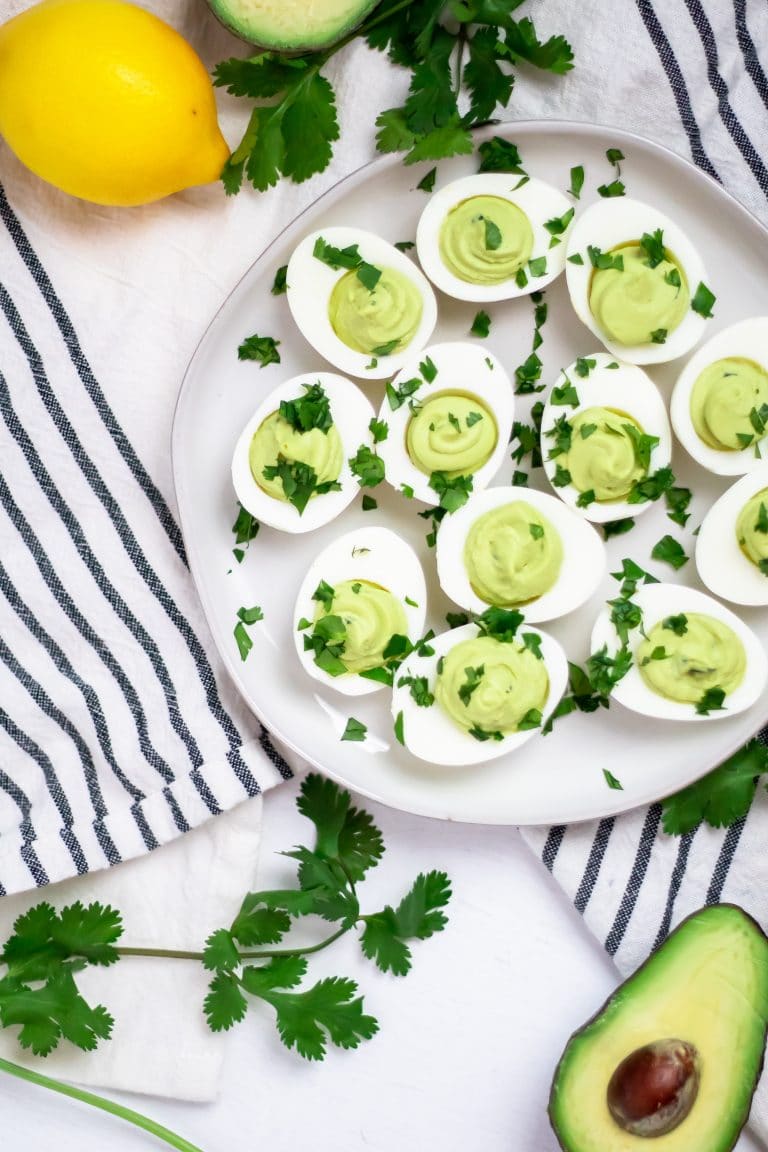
x=465, y=47
x=720, y=798
x=48, y=950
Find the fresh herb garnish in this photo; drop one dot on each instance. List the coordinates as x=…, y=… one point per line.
x=527, y=376
x=280, y=283
x=379, y=430
x=586, y=498
x=481, y=325
x=419, y=689
x=404, y=245
x=561, y=433
x=262, y=349
x=532, y=719
x=348, y=258
x=398, y=396
x=355, y=730
x=604, y=260
x=659, y=336
x=565, y=394
x=761, y=524
x=388, y=348
x=670, y=551
x=312, y=410
x=577, y=181
x=472, y=678
x=677, y=624
x=605, y=671
x=673, y=278
x=519, y=479
x=482, y=735
x=630, y=576
x=618, y=527
x=711, y=701
x=626, y=616
x=642, y=444
x=493, y=236
x=584, y=366
x=399, y=728
x=456, y=619
x=428, y=370
x=500, y=623
x=536, y=530
x=652, y=244
x=407, y=491
x=587, y=430
x=452, y=491
x=532, y=641
x=562, y=477
x=652, y=487
x=246, y=528
x=327, y=641
x=499, y=155
x=703, y=301
x=577, y=258
x=369, y=504
x=299, y=481
x=473, y=418
x=677, y=501
x=616, y=187
x=612, y=782
x=538, y=266
x=324, y=594
x=454, y=422
x=658, y=653
x=558, y=225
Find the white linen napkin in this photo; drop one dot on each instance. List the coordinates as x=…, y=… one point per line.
x=140, y=286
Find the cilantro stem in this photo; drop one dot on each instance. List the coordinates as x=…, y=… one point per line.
x=462, y=38
x=382, y=16
x=110, y=1106
x=262, y=954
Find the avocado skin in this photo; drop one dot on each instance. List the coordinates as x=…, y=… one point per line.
x=226, y=12
x=576, y=1038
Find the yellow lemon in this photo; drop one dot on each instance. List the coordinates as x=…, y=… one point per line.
x=107, y=102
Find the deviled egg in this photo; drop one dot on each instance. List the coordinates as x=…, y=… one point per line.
x=449, y=417
x=290, y=467
x=478, y=692
x=637, y=281
x=364, y=593
x=359, y=302
x=693, y=659
x=604, y=433
x=719, y=404
x=513, y=547
x=494, y=236
x=732, y=545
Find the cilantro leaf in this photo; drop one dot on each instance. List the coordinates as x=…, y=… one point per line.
x=720, y=798
x=225, y=1005
x=427, y=182
x=670, y=551
x=327, y=1011
x=280, y=283
x=703, y=301
x=577, y=181
x=312, y=410
x=417, y=917
x=355, y=730
x=488, y=84
x=499, y=155
x=344, y=833
x=367, y=466
x=452, y=491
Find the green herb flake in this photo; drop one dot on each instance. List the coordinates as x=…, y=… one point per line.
x=493, y=235
x=262, y=349
x=586, y=498
x=558, y=225
x=532, y=641
x=386, y=349
x=473, y=418
x=418, y=687
x=355, y=730
x=612, y=782
x=472, y=678
x=618, y=527
x=538, y=266
x=499, y=155
x=711, y=701
x=521, y=279
x=244, y=642
x=577, y=258
x=399, y=735
x=369, y=504
x=659, y=336
x=677, y=624
x=398, y=396
x=566, y=394
x=537, y=531
x=367, y=467
x=452, y=491
x=670, y=551
x=519, y=479
x=481, y=325
x=678, y=501
x=299, y=481
x=427, y=182
x=703, y=301
x=379, y=430
x=312, y=410
x=584, y=366
x=280, y=283
x=404, y=245
x=577, y=181
x=561, y=478
x=482, y=735
x=531, y=720
x=428, y=370
x=610, y=191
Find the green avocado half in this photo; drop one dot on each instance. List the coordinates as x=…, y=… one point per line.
x=292, y=25
x=706, y=988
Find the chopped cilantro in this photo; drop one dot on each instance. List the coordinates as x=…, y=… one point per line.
x=419, y=689
x=527, y=376
x=521, y=279
x=604, y=260
x=577, y=258
x=250, y=615
x=452, y=491
x=670, y=551
x=566, y=394
x=428, y=370
x=642, y=443
x=652, y=244
x=711, y=701
x=324, y=594
x=584, y=366
x=658, y=653
x=673, y=277
x=404, y=245
x=243, y=640
x=532, y=641
x=498, y=155
x=615, y=188
x=399, y=735
x=532, y=719
x=677, y=501
x=407, y=491
x=538, y=266
x=355, y=730
x=577, y=181
x=618, y=527
x=454, y=422
x=536, y=530
x=652, y=487
x=262, y=349
x=587, y=430
x=586, y=498
x=519, y=479
x=561, y=478
x=379, y=429
x=367, y=466
x=312, y=410
x=562, y=433
x=500, y=623
x=612, y=782
x=659, y=336
x=299, y=481
x=703, y=301
x=456, y=619
x=558, y=225
x=280, y=283
x=327, y=641
x=472, y=678
x=722, y=797
x=386, y=349
x=369, y=504
x=677, y=624
x=482, y=735
x=473, y=418
x=492, y=235
x=761, y=524
x=398, y=396
x=245, y=528
x=481, y=325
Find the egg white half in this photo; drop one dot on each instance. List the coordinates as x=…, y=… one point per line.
x=351, y=414
x=461, y=367
x=608, y=224
x=658, y=601
x=627, y=388
x=540, y=202
x=748, y=340
x=371, y=554
x=311, y=282
x=430, y=734
x=580, y=573
x=722, y=565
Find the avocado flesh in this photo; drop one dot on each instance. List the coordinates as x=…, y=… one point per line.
x=708, y=985
x=292, y=25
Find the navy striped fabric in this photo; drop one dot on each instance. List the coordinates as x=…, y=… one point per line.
x=117, y=729
x=708, y=60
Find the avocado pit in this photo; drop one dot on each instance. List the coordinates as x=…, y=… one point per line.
x=654, y=1089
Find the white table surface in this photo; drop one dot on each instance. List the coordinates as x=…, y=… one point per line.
x=468, y=1040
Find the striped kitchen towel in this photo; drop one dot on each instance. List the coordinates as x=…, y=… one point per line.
x=117, y=729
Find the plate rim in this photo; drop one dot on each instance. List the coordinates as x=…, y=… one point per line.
x=506, y=129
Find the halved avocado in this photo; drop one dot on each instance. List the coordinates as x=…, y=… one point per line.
x=682, y=1040
x=292, y=25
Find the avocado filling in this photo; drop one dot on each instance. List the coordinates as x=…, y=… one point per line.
x=608, y=453
x=489, y=687
x=752, y=530
x=452, y=433
x=370, y=615
x=683, y=662
x=275, y=437
x=512, y=555
x=729, y=404
x=642, y=302
x=486, y=240
x=376, y=322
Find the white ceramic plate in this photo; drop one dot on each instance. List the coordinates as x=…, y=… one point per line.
x=553, y=779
